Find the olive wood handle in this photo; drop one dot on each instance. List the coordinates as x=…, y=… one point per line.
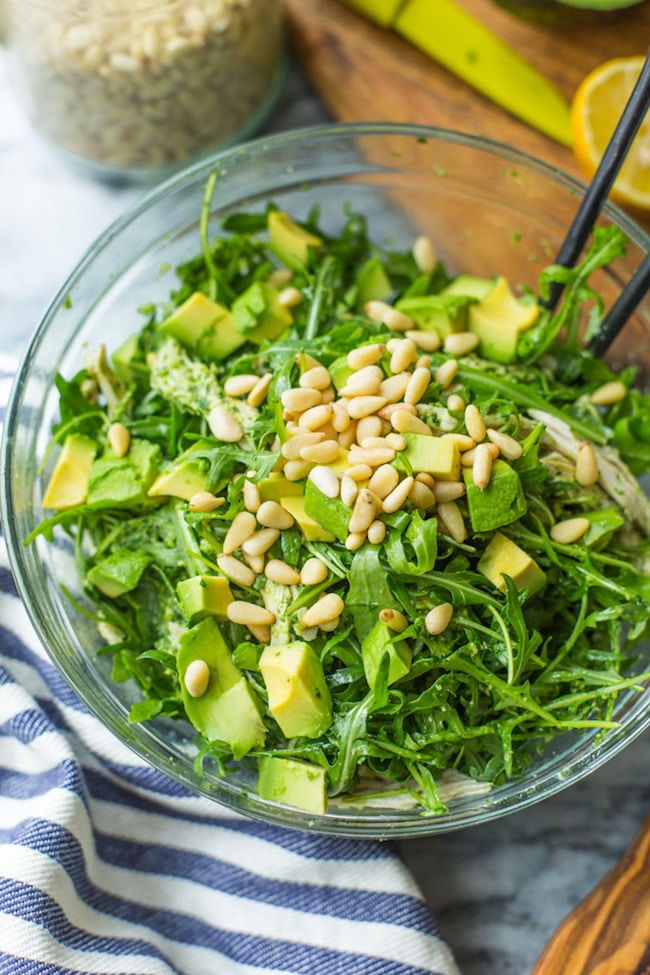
x=608, y=933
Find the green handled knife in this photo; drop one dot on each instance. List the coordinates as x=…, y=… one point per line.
x=463, y=45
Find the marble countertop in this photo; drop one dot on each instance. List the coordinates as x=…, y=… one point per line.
x=498, y=890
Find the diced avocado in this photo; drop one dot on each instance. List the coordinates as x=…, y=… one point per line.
x=203, y=596
x=119, y=572
x=123, y=482
x=68, y=484
x=257, y=313
x=123, y=357
x=432, y=455
x=229, y=710
x=204, y=326
x=468, y=286
x=503, y=557
x=602, y=525
x=330, y=513
x=276, y=486
x=436, y=313
x=311, y=529
x=291, y=242
x=340, y=372
x=373, y=284
x=500, y=503
x=185, y=478
x=381, y=640
x=499, y=320
x=292, y=783
x=299, y=698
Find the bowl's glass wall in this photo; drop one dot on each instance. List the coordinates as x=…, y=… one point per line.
x=488, y=210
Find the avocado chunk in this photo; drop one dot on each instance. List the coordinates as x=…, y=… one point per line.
x=119, y=572
x=183, y=479
x=291, y=242
x=503, y=557
x=276, y=487
x=229, y=710
x=500, y=503
x=257, y=313
x=203, y=596
x=439, y=313
x=381, y=640
x=204, y=326
x=123, y=357
x=310, y=528
x=433, y=455
x=500, y=320
x=299, y=698
x=373, y=283
x=68, y=484
x=330, y=513
x=293, y=783
x=469, y=286
x=123, y=482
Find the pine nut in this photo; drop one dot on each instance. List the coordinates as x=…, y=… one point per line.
x=456, y=403
x=393, y=388
x=405, y=353
x=281, y=572
x=296, y=470
x=204, y=501
x=249, y=614
x=510, y=448
x=330, y=626
x=242, y=527
x=289, y=297
x=359, y=472
x=261, y=541
x=305, y=361
x=368, y=426
x=119, y=438
x=328, y=395
x=321, y=453
x=397, y=497
x=242, y=574
x=325, y=480
x=388, y=411
x=298, y=400
x=316, y=416
x=427, y=341
x=362, y=406
x=256, y=563
x=355, y=540
x=395, y=440
x=223, y=425
x=258, y=393
x=394, y=619
x=316, y=378
x=424, y=254
x=462, y=441
x=421, y=495
x=348, y=491
x=240, y=385
x=452, y=520
x=197, y=678
x=397, y=321
x=366, y=355
x=347, y=437
x=612, y=392
x=438, y=619
x=374, y=457
x=329, y=607
x=373, y=443
x=474, y=423
x=405, y=422
x=262, y=633
x=375, y=310
x=363, y=513
x=291, y=448
x=446, y=373
x=270, y=514
x=252, y=498
x=377, y=532
x=340, y=418
x=448, y=491
x=313, y=572
x=418, y=385
x=461, y=343
x=468, y=457
x=280, y=277
x=383, y=481
x=586, y=465
x=424, y=362
x=569, y=531
x=482, y=466
x=366, y=372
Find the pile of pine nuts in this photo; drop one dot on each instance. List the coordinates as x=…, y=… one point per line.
x=139, y=84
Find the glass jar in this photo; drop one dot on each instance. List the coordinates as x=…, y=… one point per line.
x=136, y=88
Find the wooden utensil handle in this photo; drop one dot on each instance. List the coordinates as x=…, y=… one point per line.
x=608, y=933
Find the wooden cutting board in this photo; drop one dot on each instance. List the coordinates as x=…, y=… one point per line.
x=365, y=73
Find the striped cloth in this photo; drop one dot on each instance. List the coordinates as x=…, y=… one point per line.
x=107, y=866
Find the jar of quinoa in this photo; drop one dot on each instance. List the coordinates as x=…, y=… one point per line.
x=136, y=88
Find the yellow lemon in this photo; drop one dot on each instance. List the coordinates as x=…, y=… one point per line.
x=595, y=110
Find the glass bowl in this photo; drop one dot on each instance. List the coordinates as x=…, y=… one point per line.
x=488, y=208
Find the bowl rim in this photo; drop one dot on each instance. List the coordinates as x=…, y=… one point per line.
x=575, y=769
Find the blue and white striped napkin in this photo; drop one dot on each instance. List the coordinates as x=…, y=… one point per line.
x=107, y=866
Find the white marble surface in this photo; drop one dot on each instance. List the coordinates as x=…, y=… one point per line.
x=498, y=890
